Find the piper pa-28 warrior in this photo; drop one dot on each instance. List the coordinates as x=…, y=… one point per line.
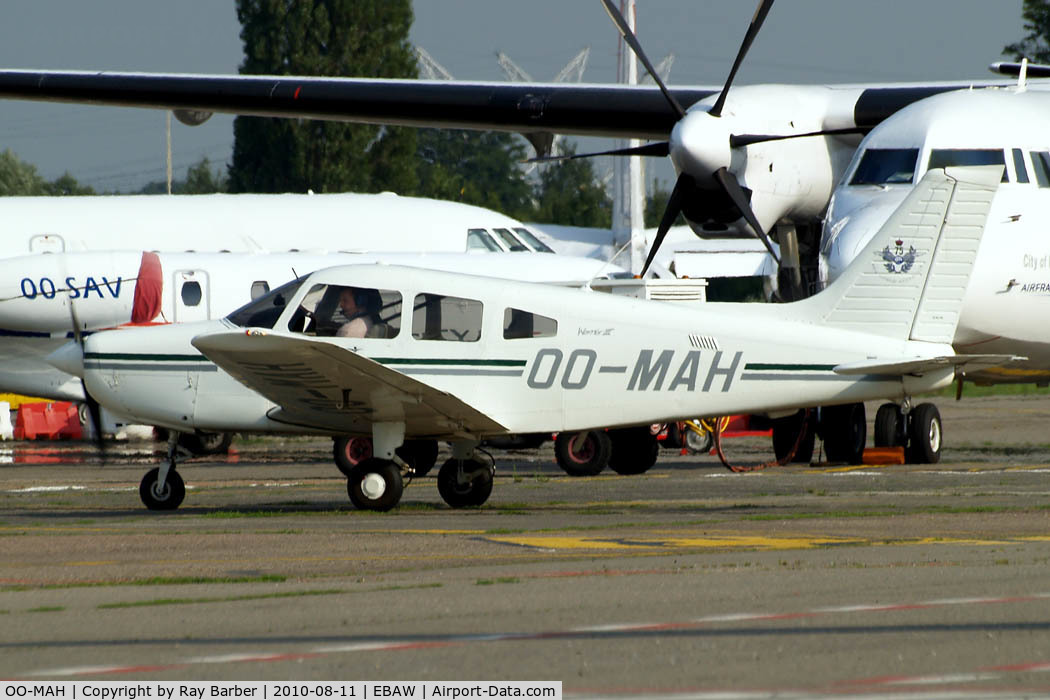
x=461, y=358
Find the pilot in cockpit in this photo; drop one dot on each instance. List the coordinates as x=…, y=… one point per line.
x=361, y=309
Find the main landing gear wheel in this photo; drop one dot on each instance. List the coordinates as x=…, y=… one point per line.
x=169, y=497
x=351, y=451
x=889, y=426
x=582, y=453
x=845, y=431
x=464, y=482
x=634, y=450
x=201, y=443
x=375, y=484
x=786, y=435
x=420, y=455
x=924, y=434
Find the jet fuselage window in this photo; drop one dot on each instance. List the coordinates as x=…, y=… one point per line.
x=440, y=317
x=478, y=239
x=1041, y=166
x=260, y=288
x=530, y=239
x=342, y=311
x=947, y=157
x=519, y=324
x=264, y=311
x=886, y=166
x=1019, y=167
x=191, y=293
x=512, y=243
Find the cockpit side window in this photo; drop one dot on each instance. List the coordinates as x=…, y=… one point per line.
x=478, y=239
x=1041, y=166
x=530, y=239
x=509, y=240
x=348, y=312
x=264, y=311
x=1019, y=167
x=947, y=157
x=441, y=317
x=886, y=166
x=519, y=324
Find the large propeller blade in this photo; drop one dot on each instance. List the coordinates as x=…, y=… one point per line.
x=94, y=409
x=657, y=148
x=632, y=41
x=683, y=185
x=731, y=186
x=752, y=31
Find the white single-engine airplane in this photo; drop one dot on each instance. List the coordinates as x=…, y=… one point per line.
x=460, y=358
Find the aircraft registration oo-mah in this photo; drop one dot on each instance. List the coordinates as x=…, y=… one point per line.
x=404, y=354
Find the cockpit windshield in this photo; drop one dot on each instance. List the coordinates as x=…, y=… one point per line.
x=264, y=311
x=886, y=166
x=947, y=157
x=530, y=238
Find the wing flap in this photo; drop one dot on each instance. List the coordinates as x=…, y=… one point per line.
x=927, y=364
x=322, y=385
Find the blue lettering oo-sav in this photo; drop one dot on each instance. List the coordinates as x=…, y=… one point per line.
x=46, y=288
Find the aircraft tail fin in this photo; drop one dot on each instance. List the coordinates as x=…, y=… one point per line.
x=909, y=281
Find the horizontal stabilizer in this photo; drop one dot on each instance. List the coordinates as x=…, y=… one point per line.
x=918, y=366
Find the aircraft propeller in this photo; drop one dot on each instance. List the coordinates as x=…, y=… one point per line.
x=94, y=409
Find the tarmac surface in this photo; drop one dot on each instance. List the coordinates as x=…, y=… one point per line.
x=686, y=581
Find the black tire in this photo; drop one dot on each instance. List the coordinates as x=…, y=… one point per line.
x=351, y=451
x=675, y=440
x=471, y=493
x=785, y=434
x=169, y=498
x=889, y=423
x=201, y=443
x=375, y=484
x=582, y=453
x=697, y=443
x=845, y=431
x=925, y=435
x=420, y=455
x=634, y=450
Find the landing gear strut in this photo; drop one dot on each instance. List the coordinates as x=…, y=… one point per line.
x=162, y=487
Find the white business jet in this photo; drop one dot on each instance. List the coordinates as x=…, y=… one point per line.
x=460, y=358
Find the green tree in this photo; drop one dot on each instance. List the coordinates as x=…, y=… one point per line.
x=200, y=179
x=569, y=194
x=1035, y=46
x=67, y=186
x=324, y=38
x=474, y=167
x=19, y=178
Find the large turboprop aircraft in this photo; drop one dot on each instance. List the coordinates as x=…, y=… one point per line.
x=753, y=157
x=460, y=358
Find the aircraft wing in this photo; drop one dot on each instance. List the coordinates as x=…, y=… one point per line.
x=618, y=111
x=921, y=366
x=321, y=385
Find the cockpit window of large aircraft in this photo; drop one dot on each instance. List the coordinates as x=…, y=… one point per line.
x=343, y=311
x=519, y=324
x=1019, y=168
x=264, y=311
x=947, y=157
x=478, y=239
x=530, y=239
x=1041, y=166
x=509, y=240
x=440, y=317
x=886, y=166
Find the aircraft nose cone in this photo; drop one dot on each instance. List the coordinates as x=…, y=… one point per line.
x=699, y=145
x=69, y=358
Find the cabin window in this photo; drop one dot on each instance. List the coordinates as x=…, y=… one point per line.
x=344, y=311
x=1019, y=168
x=264, y=311
x=519, y=324
x=886, y=166
x=478, y=239
x=509, y=240
x=192, y=294
x=947, y=157
x=530, y=239
x=1041, y=166
x=260, y=288
x=440, y=317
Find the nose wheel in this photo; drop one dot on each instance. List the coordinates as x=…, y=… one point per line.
x=465, y=482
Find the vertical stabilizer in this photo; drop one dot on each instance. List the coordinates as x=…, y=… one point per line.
x=909, y=281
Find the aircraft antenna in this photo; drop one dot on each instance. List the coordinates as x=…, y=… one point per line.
x=1022, y=76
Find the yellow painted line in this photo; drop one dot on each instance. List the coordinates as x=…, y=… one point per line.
x=92, y=563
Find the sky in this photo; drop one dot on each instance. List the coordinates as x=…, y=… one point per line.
x=802, y=41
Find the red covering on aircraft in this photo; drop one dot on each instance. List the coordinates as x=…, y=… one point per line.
x=148, y=289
